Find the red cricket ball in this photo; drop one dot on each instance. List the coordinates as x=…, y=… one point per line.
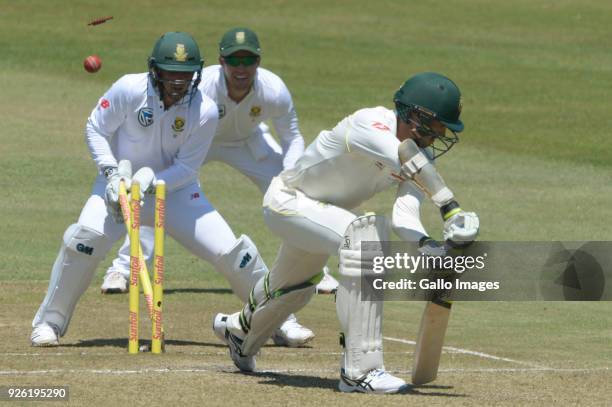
x=92, y=63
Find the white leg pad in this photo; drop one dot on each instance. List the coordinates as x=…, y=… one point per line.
x=272, y=300
x=81, y=252
x=360, y=317
x=242, y=266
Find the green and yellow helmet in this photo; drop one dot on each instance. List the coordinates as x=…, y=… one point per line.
x=429, y=96
x=175, y=52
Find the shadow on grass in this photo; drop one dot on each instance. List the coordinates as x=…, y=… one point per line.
x=297, y=380
x=198, y=291
x=123, y=343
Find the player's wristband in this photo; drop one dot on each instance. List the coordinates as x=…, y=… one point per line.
x=450, y=209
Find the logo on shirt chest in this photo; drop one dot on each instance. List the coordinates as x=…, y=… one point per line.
x=179, y=124
x=221, y=111
x=255, y=111
x=145, y=116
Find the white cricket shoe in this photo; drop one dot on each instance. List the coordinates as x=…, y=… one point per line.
x=114, y=283
x=242, y=362
x=45, y=334
x=328, y=284
x=292, y=334
x=376, y=381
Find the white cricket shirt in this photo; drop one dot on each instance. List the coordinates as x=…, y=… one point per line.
x=269, y=99
x=129, y=122
x=351, y=163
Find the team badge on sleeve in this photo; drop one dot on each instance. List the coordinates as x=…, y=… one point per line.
x=145, y=116
x=104, y=104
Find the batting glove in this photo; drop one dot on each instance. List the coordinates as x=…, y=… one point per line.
x=461, y=229
x=430, y=247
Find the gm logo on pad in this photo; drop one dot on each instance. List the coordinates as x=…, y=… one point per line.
x=84, y=249
x=245, y=260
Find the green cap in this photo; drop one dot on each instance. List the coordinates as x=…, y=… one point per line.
x=434, y=93
x=176, y=52
x=239, y=39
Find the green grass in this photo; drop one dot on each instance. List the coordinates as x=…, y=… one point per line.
x=534, y=163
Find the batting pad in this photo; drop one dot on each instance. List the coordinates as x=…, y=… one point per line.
x=360, y=317
x=82, y=249
x=422, y=171
x=242, y=266
x=273, y=300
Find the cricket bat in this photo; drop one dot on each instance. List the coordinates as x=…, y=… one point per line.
x=430, y=341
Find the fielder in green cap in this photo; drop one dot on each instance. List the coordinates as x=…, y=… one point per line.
x=239, y=39
x=312, y=207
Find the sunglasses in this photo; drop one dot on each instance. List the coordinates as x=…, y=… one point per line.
x=236, y=61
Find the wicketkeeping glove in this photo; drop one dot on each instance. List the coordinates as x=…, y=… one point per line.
x=111, y=194
x=146, y=178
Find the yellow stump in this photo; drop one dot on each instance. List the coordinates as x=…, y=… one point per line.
x=157, y=336
x=143, y=273
x=134, y=267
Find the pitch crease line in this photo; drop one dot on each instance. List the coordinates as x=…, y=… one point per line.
x=231, y=370
x=472, y=352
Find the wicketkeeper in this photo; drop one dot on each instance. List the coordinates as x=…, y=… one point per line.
x=160, y=124
x=310, y=208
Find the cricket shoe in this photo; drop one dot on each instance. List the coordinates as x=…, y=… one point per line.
x=291, y=334
x=45, y=334
x=114, y=283
x=242, y=362
x=220, y=326
x=328, y=284
x=376, y=381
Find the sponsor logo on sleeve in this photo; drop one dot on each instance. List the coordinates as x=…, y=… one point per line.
x=104, y=104
x=145, y=116
x=380, y=126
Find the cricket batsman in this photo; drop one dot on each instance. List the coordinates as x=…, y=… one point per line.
x=311, y=208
